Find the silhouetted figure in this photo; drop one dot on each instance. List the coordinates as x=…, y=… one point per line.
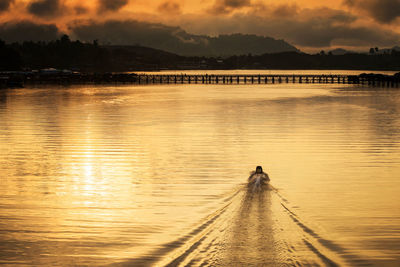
x=258, y=178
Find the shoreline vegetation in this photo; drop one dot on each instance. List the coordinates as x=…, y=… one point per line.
x=93, y=57
x=72, y=62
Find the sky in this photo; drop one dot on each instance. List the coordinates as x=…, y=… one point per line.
x=310, y=25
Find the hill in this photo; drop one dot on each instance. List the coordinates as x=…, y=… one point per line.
x=176, y=40
x=64, y=54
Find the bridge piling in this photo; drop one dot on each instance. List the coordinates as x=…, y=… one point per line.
x=242, y=79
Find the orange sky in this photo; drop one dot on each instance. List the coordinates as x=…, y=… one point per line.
x=353, y=24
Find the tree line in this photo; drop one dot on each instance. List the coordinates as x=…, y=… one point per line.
x=92, y=57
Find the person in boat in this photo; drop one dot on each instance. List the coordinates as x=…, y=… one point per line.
x=258, y=177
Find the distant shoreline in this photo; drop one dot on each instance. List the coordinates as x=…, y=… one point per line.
x=92, y=57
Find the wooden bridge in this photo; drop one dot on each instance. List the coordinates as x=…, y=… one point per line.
x=244, y=79
x=264, y=79
x=132, y=78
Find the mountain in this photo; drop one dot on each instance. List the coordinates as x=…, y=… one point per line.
x=176, y=40
x=240, y=44
x=224, y=45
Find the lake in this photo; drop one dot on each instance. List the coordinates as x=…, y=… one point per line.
x=154, y=175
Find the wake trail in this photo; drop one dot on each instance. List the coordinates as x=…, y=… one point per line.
x=320, y=246
x=251, y=228
x=175, y=252
x=241, y=235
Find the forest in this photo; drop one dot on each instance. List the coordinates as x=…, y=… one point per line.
x=92, y=57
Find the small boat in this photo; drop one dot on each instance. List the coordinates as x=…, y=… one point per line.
x=258, y=178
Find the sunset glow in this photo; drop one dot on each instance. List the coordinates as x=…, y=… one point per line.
x=309, y=25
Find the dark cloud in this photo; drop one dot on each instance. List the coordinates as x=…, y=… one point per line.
x=28, y=31
x=111, y=5
x=45, y=8
x=227, y=6
x=326, y=27
x=312, y=28
x=285, y=10
x=5, y=5
x=383, y=11
x=127, y=32
x=169, y=7
x=236, y=3
x=311, y=34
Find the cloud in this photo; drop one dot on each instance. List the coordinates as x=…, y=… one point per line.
x=285, y=10
x=28, y=31
x=308, y=28
x=310, y=34
x=326, y=27
x=236, y=3
x=169, y=8
x=365, y=23
x=383, y=11
x=45, y=8
x=79, y=10
x=228, y=6
x=5, y=5
x=127, y=32
x=111, y=5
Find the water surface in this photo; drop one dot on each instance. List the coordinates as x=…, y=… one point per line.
x=147, y=175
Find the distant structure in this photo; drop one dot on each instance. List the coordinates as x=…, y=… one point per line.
x=54, y=76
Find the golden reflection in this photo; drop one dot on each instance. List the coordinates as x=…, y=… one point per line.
x=101, y=175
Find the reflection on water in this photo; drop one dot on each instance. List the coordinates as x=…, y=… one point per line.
x=154, y=174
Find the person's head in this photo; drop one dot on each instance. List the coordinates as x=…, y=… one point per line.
x=259, y=169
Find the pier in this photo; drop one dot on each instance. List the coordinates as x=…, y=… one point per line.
x=244, y=79
x=368, y=79
x=132, y=78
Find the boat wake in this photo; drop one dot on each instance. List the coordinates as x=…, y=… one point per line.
x=251, y=228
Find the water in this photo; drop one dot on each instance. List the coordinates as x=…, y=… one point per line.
x=152, y=175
